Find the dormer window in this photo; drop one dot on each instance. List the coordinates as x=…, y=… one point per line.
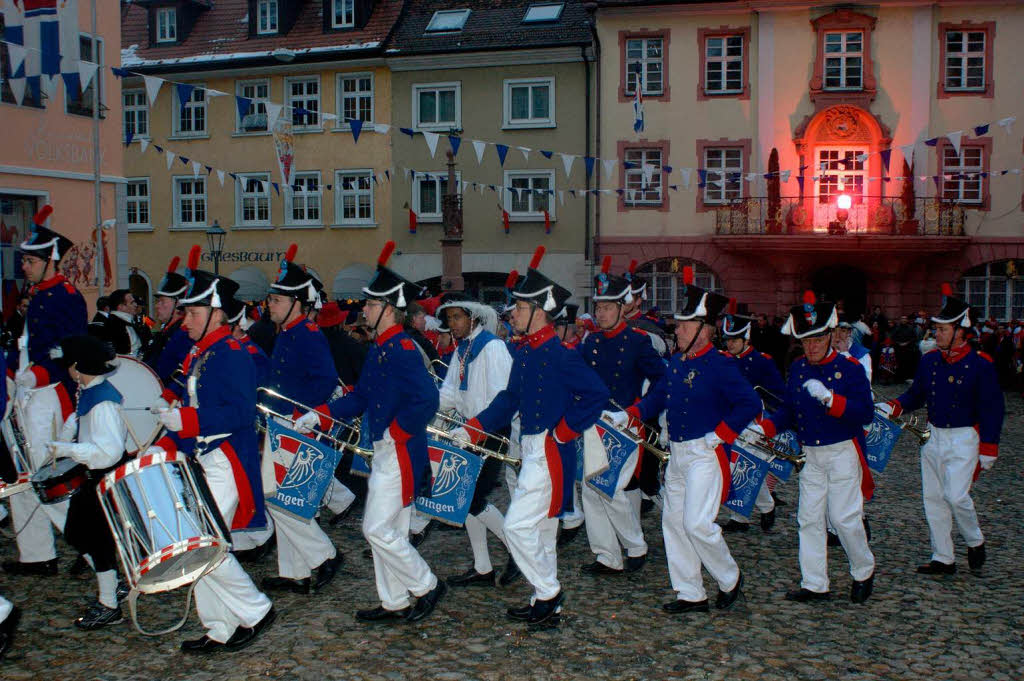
x=267, y=17
x=166, y=25
x=549, y=11
x=448, y=20
x=344, y=15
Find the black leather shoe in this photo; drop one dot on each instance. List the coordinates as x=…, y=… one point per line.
x=379, y=614
x=833, y=539
x=122, y=590
x=511, y=572
x=727, y=598
x=472, y=578
x=323, y=575
x=368, y=553
x=545, y=612
x=976, y=557
x=599, y=568
x=635, y=563
x=679, y=607
x=861, y=591
x=567, y=534
x=201, y=646
x=7, y=628
x=768, y=521
x=520, y=614
x=99, y=615
x=79, y=567
x=244, y=636
x=735, y=526
x=299, y=586
x=937, y=568
x=421, y=536
x=427, y=602
x=803, y=595
x=257, y=553
x=340, y=517
x=44, y=568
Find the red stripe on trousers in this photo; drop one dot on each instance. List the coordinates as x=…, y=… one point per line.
x=554, y=461
x=405, y=471
x=867, y=481
x=723, y=463
x=246, y=506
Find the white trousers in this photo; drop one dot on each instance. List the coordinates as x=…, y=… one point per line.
x=244, y=540
x=476, y=528
x=5, y=608
x=32, y=520
x=398, y=568
x=530, y=534
x=948, y=462
x=576, y=516
x=693, y=492
x=226, y=598
x=417, y=521
x=338, y=497
x=301, y=545
x=764, y=503
x=615, y=521
x=830, y=485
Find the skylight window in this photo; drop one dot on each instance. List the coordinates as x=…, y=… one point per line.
x=545, y=12
x=448, y=20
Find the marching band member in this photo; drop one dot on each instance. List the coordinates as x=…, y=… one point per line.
x=121, y=329
x=235, y=311
x=565, y=326
x=965, y=415
x=55, y=311
x=480, y=369
x=707, y=402
x=301, y=369
x=95, y=436
x=828, y=401
x=624, y=358
x=558, y=397
x=215, y=426
x=397, y=398
x=171, y=344
x=573, y=519
x=844, y=344
x=759, y=369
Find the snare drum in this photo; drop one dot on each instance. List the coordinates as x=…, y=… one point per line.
x=166, y=526
x=15, y=446
x=59, y=480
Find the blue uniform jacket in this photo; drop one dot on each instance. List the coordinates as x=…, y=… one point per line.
x=554, y=391
x=759, y=369
x=259, y=360
x=960, y=390
x=55, y=311
x=223, y=415
x=301, y=367
x=174, y=351
x=395, y=393
x=623, y=358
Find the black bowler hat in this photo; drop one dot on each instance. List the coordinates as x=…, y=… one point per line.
x=206, y=289
x=954, y=310
x=173, y=285
x=294, y=281
x=736, y=323
x=89, y=354
x=699, y=304
x=42, y=241
x=538, y=289
x=811, y=318
x=389, y=286
x=609, y=287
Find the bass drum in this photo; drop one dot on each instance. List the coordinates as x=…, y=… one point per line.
x=141, y=389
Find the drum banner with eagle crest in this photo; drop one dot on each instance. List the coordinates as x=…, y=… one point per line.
x=748, y=474
x=303, y=469
x=455, y=472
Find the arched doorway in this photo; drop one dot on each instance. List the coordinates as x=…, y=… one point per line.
x=843, y=285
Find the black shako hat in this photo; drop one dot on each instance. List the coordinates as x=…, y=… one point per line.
x=89, y=354
x=612, y=288
x=173, y=285
x=42, y=241
x=954, y=310
x=295, y=282
x=699, y=304
x=538, y=289
x=638, y=286
x=206, y=289
x=567, y=315
x=737, y=321
x=389, y=286
x=810, y=318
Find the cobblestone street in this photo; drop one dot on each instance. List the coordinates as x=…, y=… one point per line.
x=960, y=627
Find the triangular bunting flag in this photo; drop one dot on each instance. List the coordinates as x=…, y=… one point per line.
x=908, y=153
x=546, y=154
x=981, y=130
x=800, y=183
x=478, y=147
x=128, y=137
x=561, y=197
x=1006, y=123
x=648, y=173
x=71, y=82
x=954, y=139
x=526, y=152
x=184, y=94
x=273, y=113
x=356, y=127
x=454, y=141
x=170, y=158
x=18, y=89
x=153, y=85
x=588, y=162
x=609, y=167
x=431, y=140
x=702, y=178
x=243, y=104
x=784, y=175
x=17, y=56
x=209, y=169
x=685, y=174
x=196, y=167
x=567, y=160
x=932, y=141
x=885, y=155
x=277, y=188
x=143, y=144
x=220, y=177
x=408, y=131
x=86, y=72
x=502, y=153
x=184, y=161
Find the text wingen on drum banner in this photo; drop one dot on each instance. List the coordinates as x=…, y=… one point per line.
x=302, y=481
x=748, y=474
x=454, y=483
x=880, y=440
x=781, y=468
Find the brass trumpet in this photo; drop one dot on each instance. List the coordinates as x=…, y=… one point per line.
x=352, y=428
x=650, y=439
x=908, y=424
x=771, y=448
x=501, y=454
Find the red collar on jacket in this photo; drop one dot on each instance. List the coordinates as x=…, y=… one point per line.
x=293, y=323
x=832, y=354
x=700, y=353
x=746, y=351
x=540, y=337
x=615, y=331
x=50, y=283
x=954, y=355
x=388, y=334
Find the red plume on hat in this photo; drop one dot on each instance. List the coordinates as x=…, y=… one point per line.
x=385, y=253
x=511, y=280
x=687, y=275
x=538, y=255
x=732, y=306
x=193, y=257
x=809, y=297
x=947, y=289
x=606, y=264
x=173, y=266
x=289, y=255
x=44, y=213
x=632, y=266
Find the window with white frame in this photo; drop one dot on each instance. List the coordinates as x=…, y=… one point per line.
x=528, y=194
x=166, y=25
x=190, y=120
x=304, y=200
x=529, y=103
x=135, y=113
x=447, y=20
x=266, y=16
x=993, y=291
x=723, y=65
x=844, y=60
x=724, y=174
x=190, y=201
x=427, y=190
x=136, y=192
x=965, y=60
x=252, y=203
x=303, y=96
x=437, y=106
x=80, y=103
x=344, y=13
x=255, y=120
x=353, y=197
x=664, y=285
x=841, y=171
x=643, y=177
x=962, y=180
x=355, y=98
x=648, y=53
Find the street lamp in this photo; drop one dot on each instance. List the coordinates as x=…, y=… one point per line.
x=215, y=239
x=843, y=203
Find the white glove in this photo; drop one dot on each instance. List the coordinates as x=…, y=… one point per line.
x=459, y=434
x=25, y=379
x=986, y=462
x=756, y=428
x=61, y=450
x=171, y=418
x=663, y=438
x=307, y=422
x=619, y=419
x=818, y=391
x=712, y=440
x=884, y=407
x=155, y=449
